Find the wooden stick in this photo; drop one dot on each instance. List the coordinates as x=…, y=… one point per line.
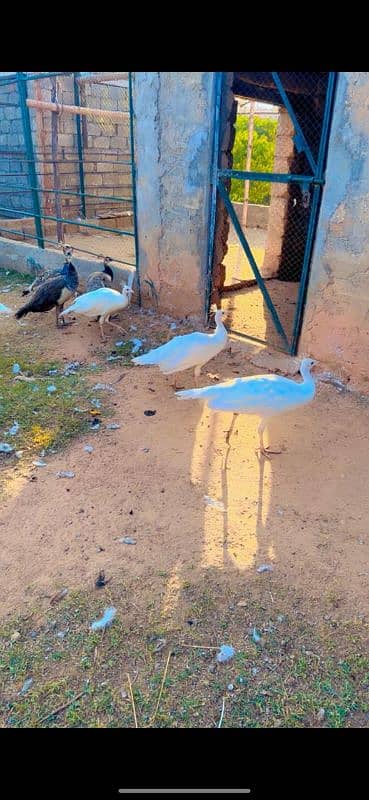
x=161, y=688
x=43, y=105
x=222, y=714
x=132, y=699
x=199, y=646
x=62, y=708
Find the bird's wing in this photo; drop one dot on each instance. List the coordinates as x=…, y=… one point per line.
x=256, y=394
x=181, y=351
x=47, y=295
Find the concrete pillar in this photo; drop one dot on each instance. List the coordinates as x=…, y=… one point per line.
x=336, y=320
x=173, y=129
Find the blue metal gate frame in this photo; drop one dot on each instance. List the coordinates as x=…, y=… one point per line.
x=316, y=179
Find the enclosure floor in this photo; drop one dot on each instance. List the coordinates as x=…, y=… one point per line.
x=152, y=475
x=247, y=312
x=106, y=244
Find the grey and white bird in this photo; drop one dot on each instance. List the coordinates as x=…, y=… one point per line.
x=101, y=278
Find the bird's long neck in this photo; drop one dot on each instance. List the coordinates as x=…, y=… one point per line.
x=308, y=379
x=220, y=330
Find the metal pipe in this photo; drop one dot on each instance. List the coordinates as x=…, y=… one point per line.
x=134, y=173
x=68, y=221
x=60, y=108
x=272, y=177
x=77, y=102
x=213, y=183
x=27, y=132
x=54, y=152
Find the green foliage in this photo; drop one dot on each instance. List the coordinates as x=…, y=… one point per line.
x=262, y=157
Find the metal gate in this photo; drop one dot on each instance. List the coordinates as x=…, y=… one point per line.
x=67, y=163
x=311, y=146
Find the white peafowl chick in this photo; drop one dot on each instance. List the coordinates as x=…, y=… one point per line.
x=262, y=395
x=101, y=303
x=190, y=350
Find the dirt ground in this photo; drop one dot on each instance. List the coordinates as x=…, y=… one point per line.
x=246, y=308
x=304, y=511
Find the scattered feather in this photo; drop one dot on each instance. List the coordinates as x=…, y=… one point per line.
x=225, y=654
x=215, y=503
x=105, y=620
x=26, y=686
x=6, y=448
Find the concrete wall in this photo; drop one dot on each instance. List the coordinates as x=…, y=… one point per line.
x=336, y=320
x=22, y=257
x=174, y=115
x=257, y=215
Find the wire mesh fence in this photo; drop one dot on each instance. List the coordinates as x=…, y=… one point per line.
x=66, y=162
x=280, y=139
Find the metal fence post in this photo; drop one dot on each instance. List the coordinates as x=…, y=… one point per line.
x=77, y=102
x=27, y=133
x=133, y=174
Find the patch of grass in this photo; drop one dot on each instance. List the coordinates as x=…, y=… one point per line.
x=266, y=686
x=47, y=420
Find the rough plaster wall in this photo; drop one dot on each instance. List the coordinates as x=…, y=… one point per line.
x=336, y=321
x=173, y=115
x=279, y=196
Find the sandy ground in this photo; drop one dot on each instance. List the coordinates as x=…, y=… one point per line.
x=247, y=311
x=305, y=511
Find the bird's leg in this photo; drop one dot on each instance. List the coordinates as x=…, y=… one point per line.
x=231, y=427
x=101, y=323
x=114, y=324
x=265, y=451
x=58, y=310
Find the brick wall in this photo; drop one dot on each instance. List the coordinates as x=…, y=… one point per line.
x=105, y=145
x=13, y=167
